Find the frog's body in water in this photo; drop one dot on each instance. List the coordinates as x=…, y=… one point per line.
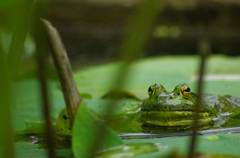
x=176, y=108
x=165, y=112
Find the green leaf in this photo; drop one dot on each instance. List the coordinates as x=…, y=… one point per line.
x=130, y=150
x=87, y=128
x=27, y=110
x=222, y=144
x=30, y=150
x=168, y=71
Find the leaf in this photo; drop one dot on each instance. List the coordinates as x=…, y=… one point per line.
x=29, y=150
x=168, y=71
x=87, y=128
x=130, y=150
x=223, y=144
x=27, y=111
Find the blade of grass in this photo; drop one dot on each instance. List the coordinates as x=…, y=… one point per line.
x=204, y=50
x=22, y=20
x=41, y=58
x=3, y=53
x=6, y=132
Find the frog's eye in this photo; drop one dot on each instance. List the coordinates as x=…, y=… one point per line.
x=155, y=90
x=150, y=91
x=185, y=91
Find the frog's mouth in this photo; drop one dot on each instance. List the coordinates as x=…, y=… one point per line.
x=169, y=107
x=174, y=115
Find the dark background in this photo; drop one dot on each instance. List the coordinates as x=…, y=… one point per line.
x=93, y=30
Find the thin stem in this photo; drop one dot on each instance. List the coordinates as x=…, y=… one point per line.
x=204, y=50
x=41, y=57
x=42, y=68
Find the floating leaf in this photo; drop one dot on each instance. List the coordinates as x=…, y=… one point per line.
x=220, y=144
x=168, y=71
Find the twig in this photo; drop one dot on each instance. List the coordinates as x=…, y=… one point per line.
x=63, y=66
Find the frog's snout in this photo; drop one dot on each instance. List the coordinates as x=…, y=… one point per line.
x=164, y=97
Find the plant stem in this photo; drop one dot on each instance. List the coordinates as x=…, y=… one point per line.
x=41, y=58
x=204, y=50
x=63, y=66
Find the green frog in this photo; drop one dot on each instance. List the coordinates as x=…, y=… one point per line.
x=167, y=112
x=176, y=109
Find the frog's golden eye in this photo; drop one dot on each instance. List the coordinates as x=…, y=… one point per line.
x=185, y=91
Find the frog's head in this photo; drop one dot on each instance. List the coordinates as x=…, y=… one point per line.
x=63, y=127
x=180, y=98
x=174, y=108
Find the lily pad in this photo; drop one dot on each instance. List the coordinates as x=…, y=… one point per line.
x=27, y=110
x=143, y=73
x=168, y=71
x=225, y=144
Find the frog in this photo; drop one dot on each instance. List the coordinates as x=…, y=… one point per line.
x=176, y=109
x=165, y=112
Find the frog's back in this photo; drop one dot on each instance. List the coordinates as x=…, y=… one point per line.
x=221, y=103
x=234, y=100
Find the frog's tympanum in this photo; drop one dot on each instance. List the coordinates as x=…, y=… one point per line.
x=176, y=108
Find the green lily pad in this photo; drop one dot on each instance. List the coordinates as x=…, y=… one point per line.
x=27, y=110
x=130, y=150
x=222, y=144
x=168, y=71
x=29, y=150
